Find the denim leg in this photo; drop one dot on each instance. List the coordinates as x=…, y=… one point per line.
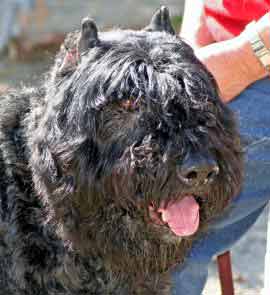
x=253, y=109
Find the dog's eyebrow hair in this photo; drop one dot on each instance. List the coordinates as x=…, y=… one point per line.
x=129, y=103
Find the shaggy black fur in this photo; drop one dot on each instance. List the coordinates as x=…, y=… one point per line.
x=83, y=158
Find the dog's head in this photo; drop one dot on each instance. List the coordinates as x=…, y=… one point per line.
x=132, y=143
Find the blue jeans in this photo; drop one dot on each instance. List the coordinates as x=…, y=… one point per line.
x=252, y=107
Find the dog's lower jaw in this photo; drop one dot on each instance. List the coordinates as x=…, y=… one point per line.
x=131, y=273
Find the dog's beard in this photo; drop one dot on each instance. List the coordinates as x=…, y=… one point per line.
x=127, y=236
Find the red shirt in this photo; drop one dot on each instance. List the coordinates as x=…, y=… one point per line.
x=232, y=16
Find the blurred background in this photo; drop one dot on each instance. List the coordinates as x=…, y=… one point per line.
x=31, y=32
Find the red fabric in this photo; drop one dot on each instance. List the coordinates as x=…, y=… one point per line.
x=233, y=15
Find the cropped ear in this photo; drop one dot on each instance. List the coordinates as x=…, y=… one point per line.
x=88, y=36
x=161, y=22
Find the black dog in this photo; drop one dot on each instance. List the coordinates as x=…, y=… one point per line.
x=112, y=168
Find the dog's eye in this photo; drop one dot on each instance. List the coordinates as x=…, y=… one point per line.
x=130, y=104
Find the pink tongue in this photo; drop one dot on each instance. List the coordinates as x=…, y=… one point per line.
x=182, y=216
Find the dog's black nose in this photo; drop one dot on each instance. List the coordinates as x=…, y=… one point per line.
x=197, y=170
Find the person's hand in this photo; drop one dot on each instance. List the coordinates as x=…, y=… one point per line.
x=223, y=60
x=233, y=62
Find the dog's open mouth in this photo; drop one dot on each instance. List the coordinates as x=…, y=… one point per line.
x=181, y=216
